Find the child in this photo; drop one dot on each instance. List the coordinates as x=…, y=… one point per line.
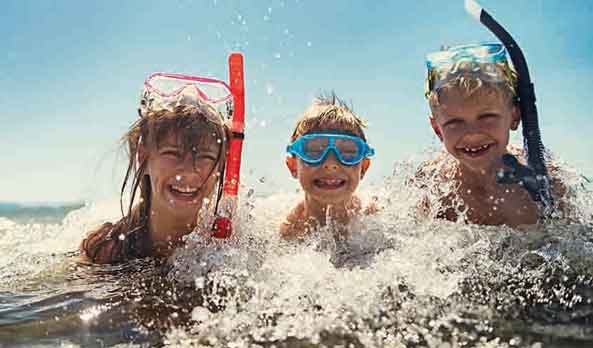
x=328, y=154
x=471, y=93
x=177, y=150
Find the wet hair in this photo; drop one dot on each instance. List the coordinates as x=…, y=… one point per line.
x=471, y=86
x=328, y=112
x=193, y=127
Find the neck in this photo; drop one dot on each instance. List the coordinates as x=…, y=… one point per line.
x=478, y=180
x=167, y=231
x=340, y=212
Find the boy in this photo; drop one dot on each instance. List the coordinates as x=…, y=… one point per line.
x=471, y=93
x=329, y=156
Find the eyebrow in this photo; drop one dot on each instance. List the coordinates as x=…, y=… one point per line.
x=488, y=114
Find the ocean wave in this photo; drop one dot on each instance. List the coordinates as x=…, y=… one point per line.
x=6, y=223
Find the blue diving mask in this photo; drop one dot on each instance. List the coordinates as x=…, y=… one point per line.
x=313, y=148
x=487, y=61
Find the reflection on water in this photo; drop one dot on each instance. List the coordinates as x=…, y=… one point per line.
x=397, y=282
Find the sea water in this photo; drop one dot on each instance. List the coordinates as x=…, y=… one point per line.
x=397, y=281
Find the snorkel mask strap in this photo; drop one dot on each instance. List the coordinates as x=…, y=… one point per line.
x=535, y=177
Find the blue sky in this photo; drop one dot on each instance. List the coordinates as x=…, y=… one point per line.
x=71, y=73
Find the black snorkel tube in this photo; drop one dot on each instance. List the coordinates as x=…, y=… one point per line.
x=533, y=177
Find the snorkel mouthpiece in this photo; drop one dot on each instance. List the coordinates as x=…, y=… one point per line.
x=223, y=228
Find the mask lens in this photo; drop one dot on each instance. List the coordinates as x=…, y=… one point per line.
x=315, y=147
x=349, y=149
x=212, y=91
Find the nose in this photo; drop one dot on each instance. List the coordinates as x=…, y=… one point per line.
x=187, y=164
x=331, y=161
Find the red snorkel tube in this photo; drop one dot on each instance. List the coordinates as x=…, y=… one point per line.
x=223, y=224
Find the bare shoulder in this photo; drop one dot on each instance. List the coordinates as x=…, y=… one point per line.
x=100, y=247
x=293, y=226
x=434, y=169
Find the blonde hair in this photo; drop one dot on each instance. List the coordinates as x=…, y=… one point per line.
x=469, y=84
x=328, y=112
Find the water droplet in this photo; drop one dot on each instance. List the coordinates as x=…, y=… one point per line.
x=219, y=141
x=178, y=177
x=122, y=236
x=263, y=123
x=189, y=38
x=200, y=314
x=277, y=55
x=269, y=88
x=200, y=282
x=269, y=10
x=309, y=43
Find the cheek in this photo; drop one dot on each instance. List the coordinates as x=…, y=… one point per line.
x=497, y=128
x=303, y=169
x=205, y=167
x=452, y=134
x=354, y=173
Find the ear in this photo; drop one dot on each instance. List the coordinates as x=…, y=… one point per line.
x=366, y=163
x=435, y=127
x=291, y=165
x=516, y=117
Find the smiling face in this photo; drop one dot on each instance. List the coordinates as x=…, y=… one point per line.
x=329, y=182
x=181, y=180
x=475, y=129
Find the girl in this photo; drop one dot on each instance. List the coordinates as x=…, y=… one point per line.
x=177, y=150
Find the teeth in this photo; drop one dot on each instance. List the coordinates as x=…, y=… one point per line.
x=185, y=189
x=476, y=149
x=331, y=181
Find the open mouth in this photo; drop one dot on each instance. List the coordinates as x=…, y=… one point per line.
x=329, y=184
x=475, y=151
x=184, y=192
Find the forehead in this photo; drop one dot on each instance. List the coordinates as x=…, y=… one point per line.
x=454, y=102
x=204, y=140
x=334, y=127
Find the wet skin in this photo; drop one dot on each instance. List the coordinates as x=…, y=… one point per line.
x=476, y=131
x=329, y=185
x=179, y=186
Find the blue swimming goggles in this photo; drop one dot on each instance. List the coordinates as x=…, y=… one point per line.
x=313, y=148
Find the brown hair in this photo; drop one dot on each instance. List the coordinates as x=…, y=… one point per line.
x=328, y=112
x=193, y=126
